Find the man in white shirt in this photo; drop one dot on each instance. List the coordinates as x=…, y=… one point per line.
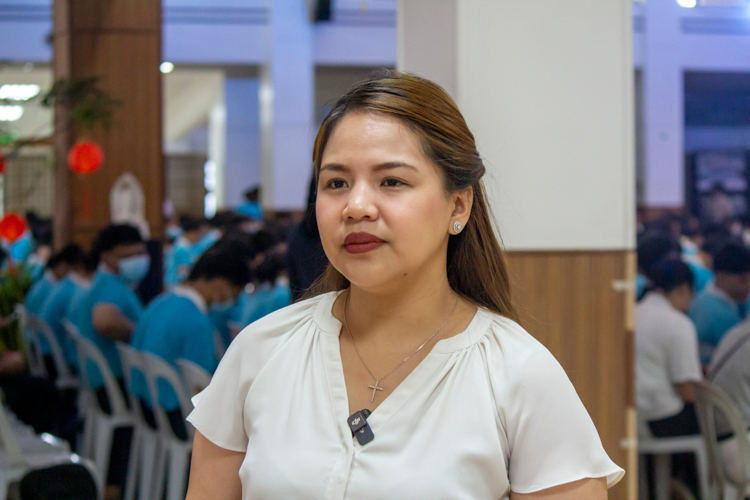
x=730, y=370
x=667, y=353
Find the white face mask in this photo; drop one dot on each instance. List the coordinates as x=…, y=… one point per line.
x=134, y=269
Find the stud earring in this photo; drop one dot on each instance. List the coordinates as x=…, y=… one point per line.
x=457, y=227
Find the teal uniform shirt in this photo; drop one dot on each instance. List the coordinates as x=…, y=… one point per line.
x=220, y=319
x=175, y=326
x=53, y=312
x=702, y=276
x=713, y=312
x=38, y=293
x=183, y=255
x=107, y=288
x=264, y=301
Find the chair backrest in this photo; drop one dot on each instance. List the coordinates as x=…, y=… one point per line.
x=711, y=401
x=39, y=327
x=33, y=354
x=88, y=352
x=158, y=369
x=132, y=363
x=195, y=377
x=9, y=442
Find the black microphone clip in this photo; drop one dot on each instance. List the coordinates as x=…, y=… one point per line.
x=359, y=426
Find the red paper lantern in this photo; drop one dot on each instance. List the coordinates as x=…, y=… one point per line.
x=12, y=226
x=85, y=157
x=3, y=161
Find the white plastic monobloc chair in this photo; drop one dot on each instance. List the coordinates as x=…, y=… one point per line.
x=38, y=328
x=662, y=450
x=101, y=429
x=36, y=365
x=22, y=451
x=178, y=450
x=147, y=450
x=711, y=400
x=195, y=377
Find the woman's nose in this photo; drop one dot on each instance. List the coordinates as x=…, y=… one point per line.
x=361, y=204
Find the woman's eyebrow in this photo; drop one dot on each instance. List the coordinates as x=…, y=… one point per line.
x=394, y=164
x=390, y=165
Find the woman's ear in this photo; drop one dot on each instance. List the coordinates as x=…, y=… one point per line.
x=462, y=203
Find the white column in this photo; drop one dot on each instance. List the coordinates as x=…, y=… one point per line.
x=287, y=100
x=547, y=90
x=663, y=106
x=214, y=175
x=242, y=159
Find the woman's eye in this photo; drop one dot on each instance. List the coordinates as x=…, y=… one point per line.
x=392, y=183
x=337, y=184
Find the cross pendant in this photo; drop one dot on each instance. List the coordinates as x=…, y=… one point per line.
x=374, y=388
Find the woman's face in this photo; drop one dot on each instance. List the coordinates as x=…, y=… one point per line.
x=383, y=213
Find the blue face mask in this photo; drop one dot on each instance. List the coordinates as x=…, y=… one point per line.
x=223, y=307
x=134, y=269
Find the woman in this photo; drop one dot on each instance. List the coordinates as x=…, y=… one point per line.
x=413, y=321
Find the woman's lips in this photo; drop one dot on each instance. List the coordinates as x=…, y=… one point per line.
x=361, y=243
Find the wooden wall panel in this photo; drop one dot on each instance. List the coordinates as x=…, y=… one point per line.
x=576, y=304
x=118, y=41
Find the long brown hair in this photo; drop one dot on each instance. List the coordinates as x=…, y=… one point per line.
x=476, y=264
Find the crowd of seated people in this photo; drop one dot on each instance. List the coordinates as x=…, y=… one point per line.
x=691, y=322
x=220, y=275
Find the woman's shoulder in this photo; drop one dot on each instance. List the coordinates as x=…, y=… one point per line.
x=273, y=329
x=511, y=344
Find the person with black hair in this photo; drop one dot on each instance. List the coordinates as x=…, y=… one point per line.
x=111, y=307
x=722, y=305
x=666, y=347
x=271, y=291
x=197, y=237
x=666, y=359
x=57, y=302
x=653, y=246
x=58, y=266
x=176, y=325
x=251, y=208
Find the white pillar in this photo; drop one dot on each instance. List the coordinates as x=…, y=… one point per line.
x=287, y=100
x=242, y=159
x=547, y=90
x=663, y=107
x=214, y=175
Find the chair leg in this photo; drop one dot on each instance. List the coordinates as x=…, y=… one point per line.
x=103, y=447
x=149, y=455
x=178, y=469
x=133, y=465
x=162, y=456
x=701, y=463
x=663, y=476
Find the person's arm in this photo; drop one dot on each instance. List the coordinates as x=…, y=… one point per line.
x=585, y=489
x=111, y=323
x=685, y=390
x=214, y=472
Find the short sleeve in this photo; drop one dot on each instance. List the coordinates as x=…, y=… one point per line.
x=684, y=361
x=552, y=439
x=219, y=408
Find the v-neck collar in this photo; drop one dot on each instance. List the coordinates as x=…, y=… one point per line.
x=421, y=374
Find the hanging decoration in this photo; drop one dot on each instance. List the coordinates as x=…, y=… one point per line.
x=3, y=162
x=12, y=227
x=85, y=157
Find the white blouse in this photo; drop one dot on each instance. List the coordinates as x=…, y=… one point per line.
x=486, y=411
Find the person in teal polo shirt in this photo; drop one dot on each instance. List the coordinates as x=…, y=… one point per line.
x=722, y=305
x=57, y=305
x=111, y=308
x=58, y=266
x=176, y=325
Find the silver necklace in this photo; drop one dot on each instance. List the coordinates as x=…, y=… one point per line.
x=376, y=387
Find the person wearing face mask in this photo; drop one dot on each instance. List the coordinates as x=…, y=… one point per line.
x=176, y=325
x=111, y=307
